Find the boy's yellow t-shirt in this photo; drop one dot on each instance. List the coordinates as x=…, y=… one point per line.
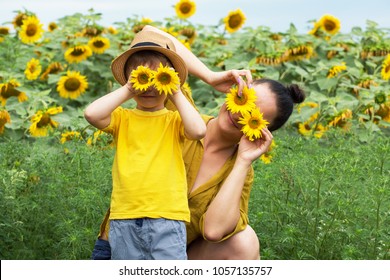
x=149, y=177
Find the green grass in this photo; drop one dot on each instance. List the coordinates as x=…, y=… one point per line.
x=323, y=199
x=318, y=199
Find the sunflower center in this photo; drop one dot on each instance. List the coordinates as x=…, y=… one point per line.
x=185, y=8
x=241, y=100
x=31, y=29
x=235, y=21
x=44, y=121
x=32, y=68
x=4, y=31
x=99, y=44
x=77, y=51
x=72, y=84
x=164, y=78
x=254, y=123
x=143, y=79
x=329, y=25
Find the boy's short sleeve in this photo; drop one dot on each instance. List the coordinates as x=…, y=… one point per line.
x=114, y=122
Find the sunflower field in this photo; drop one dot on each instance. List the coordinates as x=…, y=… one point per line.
x=329, y=166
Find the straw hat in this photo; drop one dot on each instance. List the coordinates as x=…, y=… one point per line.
x=149, y=40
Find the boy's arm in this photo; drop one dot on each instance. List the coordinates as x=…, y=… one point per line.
x=194, y=126
x=98, y=113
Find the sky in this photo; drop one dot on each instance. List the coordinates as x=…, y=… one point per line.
x=275, y=14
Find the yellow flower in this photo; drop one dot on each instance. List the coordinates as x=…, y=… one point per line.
x=299, y=53
x=112, y=30
x=31, y=30
x=335, y=70
x=330, y=24
x=166, y=80
x=234, y=20
x=342, y=119
x=4, y=119
x=99, y=44
x=69, y=135
x=141, y=78
x=52, y=26
x=185, y=8
x=42, y=122
x=253, y=123
x=33, y=69
x=385, y=73
x=18, y=20
x=53, y=68
x=384, y=111
x=243, y=103
x=72, y=85
x=4, y=31
x=77, y=54
x=267, y=156
x=8, y=90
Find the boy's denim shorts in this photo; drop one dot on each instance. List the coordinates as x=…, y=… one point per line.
x=147, y=239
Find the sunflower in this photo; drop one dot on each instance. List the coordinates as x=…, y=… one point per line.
x=253, y=123
x=385, y=73
x=42, y=122
x=52, y=26
x=234, y=20
x=185, y=8
x=33, y=69
x=69, y=135
x=189, y=33
x=342, y=120
x=384, y=111
x=299, y=53
x=329, y=24
x=31, y=30
x=53, y=68
x=4, y=119
x=141, y=78
x=18, y=20
x=78, y=53
x=4, y=31
x=166, y=80
x=111, y=30
x=335, y=70
x=309, y=129
x=72, y=85
x=243, y=103
x=267, y=156
x=99, y=44
x=8, y=90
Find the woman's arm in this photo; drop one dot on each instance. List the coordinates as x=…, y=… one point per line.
x=221, y=81
x=98, y=113
x=224, y=211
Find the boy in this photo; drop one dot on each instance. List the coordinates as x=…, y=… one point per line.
x=149, y=197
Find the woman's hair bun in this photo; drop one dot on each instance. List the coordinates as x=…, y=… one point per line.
x=297, y=94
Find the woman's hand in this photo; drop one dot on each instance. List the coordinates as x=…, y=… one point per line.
x=249, y=151
x=223, y=81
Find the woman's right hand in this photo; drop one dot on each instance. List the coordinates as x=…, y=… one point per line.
x=223, y=81
x=249, y=151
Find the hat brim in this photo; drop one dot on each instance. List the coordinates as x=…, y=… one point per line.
x=119, y=63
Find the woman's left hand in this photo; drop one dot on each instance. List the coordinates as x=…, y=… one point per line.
x=249, y=151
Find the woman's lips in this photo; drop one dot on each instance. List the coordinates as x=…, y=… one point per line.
x=232, y=120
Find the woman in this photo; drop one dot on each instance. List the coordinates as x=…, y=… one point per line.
x=219, y=171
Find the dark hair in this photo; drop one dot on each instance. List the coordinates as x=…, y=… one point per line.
x=152, y=58
x=285, y=97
